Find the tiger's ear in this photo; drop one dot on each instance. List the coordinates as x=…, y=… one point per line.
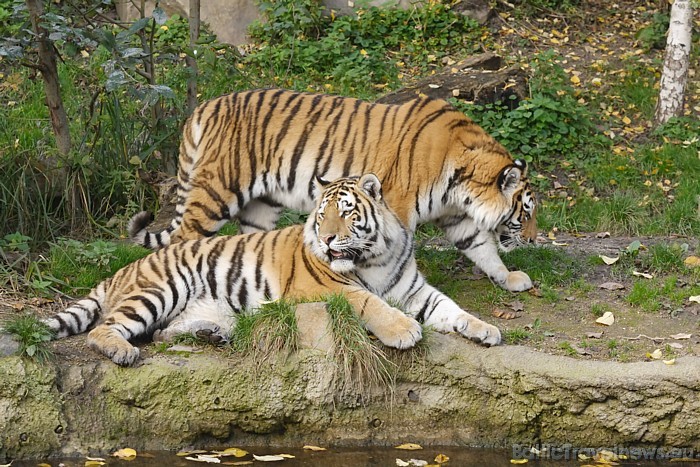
x=509, y=180
x=318, y=184
x=522, y=165
x=371, y=185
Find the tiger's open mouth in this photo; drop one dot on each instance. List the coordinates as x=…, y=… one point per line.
x=339, y=255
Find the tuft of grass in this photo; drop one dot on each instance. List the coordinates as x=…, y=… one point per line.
x=362, y=365
x=568, y=348
x=269, y=330
x=664, y=258
x=32, y=335
x=516, y=335
x=599, y=309
x=645, y=295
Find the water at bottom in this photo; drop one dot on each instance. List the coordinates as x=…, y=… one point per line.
x=366, y=457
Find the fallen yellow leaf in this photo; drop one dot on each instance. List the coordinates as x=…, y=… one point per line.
x=235, y=452
x=608, y=260
x=692, y=262
x=518, y=461
x=670, y=362
x=189, y=453
x=607, y=319
x=87, y=464
x=313, y=448
x=409, y=446
x=441, y=459
x=626, y=120
x=125, y=453
x=694, y=298
x=642, y=274
x=574, y=80
x=656, y=354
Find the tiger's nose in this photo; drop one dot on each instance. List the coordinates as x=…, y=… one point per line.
x=327, y=239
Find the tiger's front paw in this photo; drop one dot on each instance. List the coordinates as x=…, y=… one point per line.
x=478, y=331
x=402, y=332
x=517, y=281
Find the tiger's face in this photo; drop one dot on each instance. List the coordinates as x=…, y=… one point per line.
x=519, y=225
x=347, y=224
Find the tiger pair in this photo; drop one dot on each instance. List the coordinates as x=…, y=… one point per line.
x=249, y=155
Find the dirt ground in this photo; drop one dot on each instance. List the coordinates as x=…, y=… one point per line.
x=567, y=325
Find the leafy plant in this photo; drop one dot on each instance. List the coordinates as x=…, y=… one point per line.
x=15, y=242
x=543, y=127
x=32, y=335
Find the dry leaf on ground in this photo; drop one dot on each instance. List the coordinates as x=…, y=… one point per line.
x=608, y=260
x=505, y=314
x=692, y=261
x=313, y=448
x=681, y=336
x=642, y=274
x=607, y=319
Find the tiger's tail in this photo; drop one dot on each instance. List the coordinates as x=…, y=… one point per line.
x=82, y=315
x=140, y=235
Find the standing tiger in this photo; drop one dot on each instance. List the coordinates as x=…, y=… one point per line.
x=352, y=243
x=251, y=154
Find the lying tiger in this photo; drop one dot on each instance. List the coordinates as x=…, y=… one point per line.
x=352, y=243
x=248, y=155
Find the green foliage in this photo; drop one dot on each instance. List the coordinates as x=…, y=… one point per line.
x=653, y=36
x=79, y=266
x=549, y=124
x=33, y=336
x=355, y=52
x=15, y=242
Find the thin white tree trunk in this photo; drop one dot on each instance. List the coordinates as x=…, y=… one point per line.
x=675, y=72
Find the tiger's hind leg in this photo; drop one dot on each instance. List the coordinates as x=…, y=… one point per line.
x=205, y=211
x=259, y=214
x=108, y=340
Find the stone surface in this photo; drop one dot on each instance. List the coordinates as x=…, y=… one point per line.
x=455, y=393
x=8, y=345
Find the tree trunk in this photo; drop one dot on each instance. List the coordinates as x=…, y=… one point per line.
x=191, y=59
x=675, y=72
x=49, y=71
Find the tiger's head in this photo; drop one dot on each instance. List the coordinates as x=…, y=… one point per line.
x=351, y=223
x=519, y=225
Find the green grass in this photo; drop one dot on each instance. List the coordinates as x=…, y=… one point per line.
x=77, y=267
x=549, y=265
x=516, y=335
x=32, y=335
x=361, y=364
x=270, y=329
